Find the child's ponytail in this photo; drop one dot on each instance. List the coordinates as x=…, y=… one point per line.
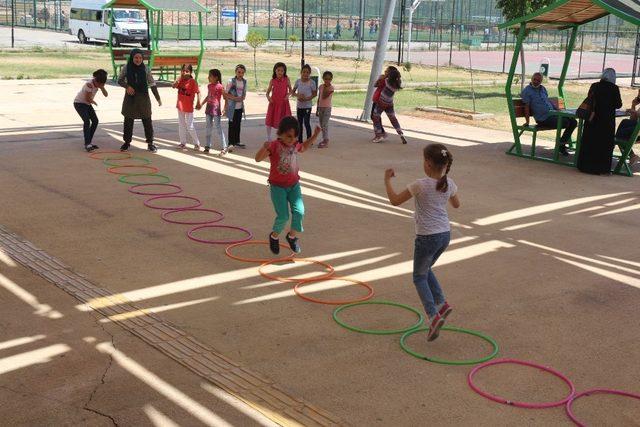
x=441, y=158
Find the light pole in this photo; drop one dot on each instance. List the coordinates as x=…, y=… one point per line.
x=13, y=19
x=235, y=23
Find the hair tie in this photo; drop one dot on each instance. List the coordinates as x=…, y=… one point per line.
x=444, y=153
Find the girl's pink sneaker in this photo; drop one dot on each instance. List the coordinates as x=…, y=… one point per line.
x=434, y=327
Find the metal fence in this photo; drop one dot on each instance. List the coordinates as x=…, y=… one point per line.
x=448, y=24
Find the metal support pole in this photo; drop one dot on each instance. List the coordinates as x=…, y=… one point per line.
x=606, y=42
x=360, y=29
x=453, y=17
x=378, y=57
x=235, y=23
x=581, y=50
x=567, y=60
x=13, y=23
x=269, y=22
x=507, y=88
x=302, y=38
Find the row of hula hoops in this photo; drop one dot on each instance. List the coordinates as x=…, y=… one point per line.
x=169, y=214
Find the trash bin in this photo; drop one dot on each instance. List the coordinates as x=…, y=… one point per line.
x=544, y=67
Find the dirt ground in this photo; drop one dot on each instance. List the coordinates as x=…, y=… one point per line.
x=543, y=259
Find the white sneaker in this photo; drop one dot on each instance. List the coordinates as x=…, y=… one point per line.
x=378, y=139
x=222, y=153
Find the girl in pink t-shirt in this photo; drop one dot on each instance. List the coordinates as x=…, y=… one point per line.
x=278, y=95
x=285, y=181
x=187, y=91
x=213, y=110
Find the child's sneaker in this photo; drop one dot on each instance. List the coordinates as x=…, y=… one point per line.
x=196, y=147
x=206, y=150
x=222, y=153
x=378, y=139
x=434, y=327
x=404, y=140
x=293, y=244
x=182, y=146
x=125, y=147
x=152, y=148
x=230, y=149
x=323, y=144
x=274, y=244
x=445, y=310
x=90, y=147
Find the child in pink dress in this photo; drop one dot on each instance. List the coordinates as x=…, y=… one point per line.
x=278, y=95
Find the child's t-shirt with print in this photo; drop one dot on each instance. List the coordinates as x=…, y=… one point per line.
x=305, y=89
x=213, y=99
x=431, y=205
x=87, y=93
x=187, y=89
x=284, y=164
x=324, y=102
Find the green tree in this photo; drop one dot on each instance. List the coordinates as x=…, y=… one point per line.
x=513, y=9
x=255, y=40
x=292, y=38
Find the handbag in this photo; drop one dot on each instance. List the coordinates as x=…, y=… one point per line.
x=586, y=110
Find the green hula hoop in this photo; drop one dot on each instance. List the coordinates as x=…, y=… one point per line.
x=125, y=179
x=450, y=362
x=378, y=331
x=107, y=161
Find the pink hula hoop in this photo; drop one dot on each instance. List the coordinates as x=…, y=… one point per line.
x=219, y=242
x=165, y=216
x=197, y=204
x=133, y=189
x=595, y=391
x=516, y=403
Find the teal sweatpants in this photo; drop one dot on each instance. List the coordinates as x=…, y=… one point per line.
x=282, y=197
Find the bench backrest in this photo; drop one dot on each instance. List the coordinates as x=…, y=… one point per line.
x=165, y=61
x=518, y=105
x=123, y=54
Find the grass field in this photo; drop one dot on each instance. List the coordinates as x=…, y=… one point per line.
x=350, y=78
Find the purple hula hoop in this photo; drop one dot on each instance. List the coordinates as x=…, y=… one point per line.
x=166, y=214
x=133, y=189
x=516, y=403
x=219, y=242
x=595, y=391
x=172, y=208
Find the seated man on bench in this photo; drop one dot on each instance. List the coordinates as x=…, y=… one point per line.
x=627, y=126
x=536, y=101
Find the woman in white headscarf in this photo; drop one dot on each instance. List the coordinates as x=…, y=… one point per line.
x=598, y=139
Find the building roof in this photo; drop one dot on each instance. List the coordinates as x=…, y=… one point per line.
x=158, y=5
x=569, y=13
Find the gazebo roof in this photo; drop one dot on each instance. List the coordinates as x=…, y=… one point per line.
x=568, y=13
x=158, y=5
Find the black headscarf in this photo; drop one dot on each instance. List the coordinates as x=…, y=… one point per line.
x=137, y=74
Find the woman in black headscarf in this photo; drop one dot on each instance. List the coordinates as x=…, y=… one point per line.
x=598, y=140
x=136, y=78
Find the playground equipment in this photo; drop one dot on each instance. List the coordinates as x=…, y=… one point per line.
x=162, y=63
x=563, y=15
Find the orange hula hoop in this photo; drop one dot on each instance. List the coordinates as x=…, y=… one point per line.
x=296, y=289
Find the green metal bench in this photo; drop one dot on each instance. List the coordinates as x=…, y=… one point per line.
x=625, y=147
x=518, y=107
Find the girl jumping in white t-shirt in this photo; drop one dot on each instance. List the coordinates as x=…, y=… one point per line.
x=433, y=230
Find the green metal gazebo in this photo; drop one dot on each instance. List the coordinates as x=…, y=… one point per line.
x=162, y=63
x=563, y=15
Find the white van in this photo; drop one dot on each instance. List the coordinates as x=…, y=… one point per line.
x=89, y=21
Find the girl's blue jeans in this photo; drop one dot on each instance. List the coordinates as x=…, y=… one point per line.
x=427, y=251
x=210, y=121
